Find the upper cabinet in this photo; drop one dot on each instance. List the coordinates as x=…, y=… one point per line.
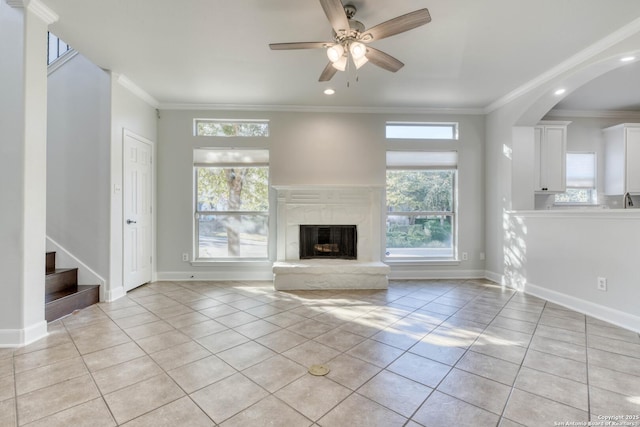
x=622, y=159
x=550, y=157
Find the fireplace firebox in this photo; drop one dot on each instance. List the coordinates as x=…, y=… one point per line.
x=328, y=241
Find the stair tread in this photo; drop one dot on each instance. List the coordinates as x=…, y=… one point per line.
x=60, y=270
x=54, y=296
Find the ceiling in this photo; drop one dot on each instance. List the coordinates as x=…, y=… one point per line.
x=473, y=53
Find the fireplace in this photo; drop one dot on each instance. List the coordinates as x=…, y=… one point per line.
x=328, y=241
x=329, y=237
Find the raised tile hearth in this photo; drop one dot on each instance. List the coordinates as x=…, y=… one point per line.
x=330, y=205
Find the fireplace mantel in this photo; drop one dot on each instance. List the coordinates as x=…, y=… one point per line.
x=330, y=205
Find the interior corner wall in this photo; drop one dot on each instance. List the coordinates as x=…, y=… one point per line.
x=78, y=150
x=308, y=149
x=11, y=163
x=128, y=112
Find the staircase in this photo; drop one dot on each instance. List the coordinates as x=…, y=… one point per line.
x=63, y=295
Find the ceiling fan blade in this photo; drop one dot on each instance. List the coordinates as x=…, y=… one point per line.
x=300, y=45
x=336, y=15
x=328, y=72
x=383, y=60
x=397, y=25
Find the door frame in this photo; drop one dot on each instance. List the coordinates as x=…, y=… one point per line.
x=116, y=270
x=126, y=133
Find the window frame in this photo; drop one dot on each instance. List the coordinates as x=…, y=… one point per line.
x=453, y=126
x=197, y=121
x=197, y=212
x=452, y=214
x=593, y=191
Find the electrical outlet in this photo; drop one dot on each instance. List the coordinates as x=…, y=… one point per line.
x=481, y=256
x=465, y=256
x=185, y=256
x=602, y=284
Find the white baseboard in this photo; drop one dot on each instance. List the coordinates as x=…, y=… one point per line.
x=113, y=294
x=86, y=275
x=21, y=337
x=601, y=312
x=426, y=272
x=598, y=311
x=235, y=275
x=494, y=277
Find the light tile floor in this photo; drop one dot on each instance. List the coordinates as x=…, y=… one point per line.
x=422, y=353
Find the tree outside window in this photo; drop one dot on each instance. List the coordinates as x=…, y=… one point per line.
x=232, y=205
x=420, y=213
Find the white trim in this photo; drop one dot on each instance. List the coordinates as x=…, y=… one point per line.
x=43, y=12
x=114, y=294
x=604, y=114
x=424, y=272
x=598, y=47
x=60, y=61
x=154, y=218
x=322, y=109
x=86, y=274
x=240, y=273
x=136, y=90
x=494, y=277
x=21, y=337
x=598, y=311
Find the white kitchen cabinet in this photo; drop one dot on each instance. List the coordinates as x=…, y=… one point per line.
x=622, y=159
x=550, y=157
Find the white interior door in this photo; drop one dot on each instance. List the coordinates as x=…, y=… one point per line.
x=137, y=211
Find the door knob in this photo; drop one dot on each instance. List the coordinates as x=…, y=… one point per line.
x=130, y=221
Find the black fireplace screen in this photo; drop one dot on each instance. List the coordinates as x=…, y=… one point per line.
x=328, y=241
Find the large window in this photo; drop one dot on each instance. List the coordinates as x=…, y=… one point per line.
x=231, y=204
x=421, y=205
x=581, y=180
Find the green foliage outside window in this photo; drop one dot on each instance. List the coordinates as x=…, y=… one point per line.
x=419, y=209
x=231, y=128
x=232, y=205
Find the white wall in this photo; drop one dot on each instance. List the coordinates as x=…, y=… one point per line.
x=23, y=120
x=309, y=149
x=130, y=112
x=78, y=150
x=562, y=253
x=11, y=162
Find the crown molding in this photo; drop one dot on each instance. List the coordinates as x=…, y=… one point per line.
x=136, y=90
x=598, y=47
x=322, y=109
x=603, y=114
x=36, y=7
x=43, y=12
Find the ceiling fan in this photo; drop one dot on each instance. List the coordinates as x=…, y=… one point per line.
x=350, y=38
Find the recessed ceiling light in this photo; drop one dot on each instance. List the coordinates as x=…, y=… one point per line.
x=627, y=58
x=560, y=91
x=329, y=91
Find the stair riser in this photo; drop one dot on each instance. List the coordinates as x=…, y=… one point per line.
x=86, y=296
x=62, y=280
x=50, y=262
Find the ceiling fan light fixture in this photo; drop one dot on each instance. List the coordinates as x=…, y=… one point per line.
x=359, y=62
x=341, y=64
x=335, y=52
x=358, y=50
